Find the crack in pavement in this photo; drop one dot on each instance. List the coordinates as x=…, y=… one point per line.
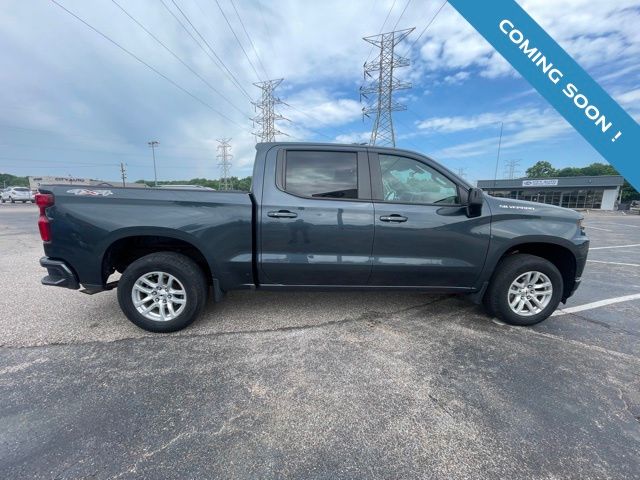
x=367, y=316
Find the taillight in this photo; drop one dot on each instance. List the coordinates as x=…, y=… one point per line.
x=44, y=200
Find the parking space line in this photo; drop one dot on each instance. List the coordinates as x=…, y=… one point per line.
x=609, y=224
x=615, y=263
x=625, y=225
x=591, y=227
x=599, y=303
x=616, y=246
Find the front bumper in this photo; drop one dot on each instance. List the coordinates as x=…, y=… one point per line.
x=59, y=274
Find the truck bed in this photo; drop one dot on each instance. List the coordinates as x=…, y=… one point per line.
x=87, y=221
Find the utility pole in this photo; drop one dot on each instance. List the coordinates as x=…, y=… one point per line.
x=224, y=162
x=495, y=174
x=123, y=174
x=267, y=116
x=382, y=85
x=510, y=169
x=153, y=144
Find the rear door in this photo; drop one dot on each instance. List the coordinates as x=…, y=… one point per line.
x=316, y=217
x=423, y=236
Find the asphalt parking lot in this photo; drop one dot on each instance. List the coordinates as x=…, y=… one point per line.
x=321, y=385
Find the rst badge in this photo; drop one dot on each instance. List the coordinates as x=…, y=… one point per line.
x=90, y=193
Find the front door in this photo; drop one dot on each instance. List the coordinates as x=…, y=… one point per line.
x=423, y=236
x=316, y=219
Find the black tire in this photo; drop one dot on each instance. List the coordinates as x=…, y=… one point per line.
x=185, y=270
x=12, y=200
x=508, y=270
x=3, y=200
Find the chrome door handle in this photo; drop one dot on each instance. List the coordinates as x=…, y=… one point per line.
x=282, y=214
x=393, y=218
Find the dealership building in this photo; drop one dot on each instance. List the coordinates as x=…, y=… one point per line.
x=599, y=192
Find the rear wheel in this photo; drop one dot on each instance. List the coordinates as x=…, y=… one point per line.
x=162, y=292
x=525, y=290
x=12, y=200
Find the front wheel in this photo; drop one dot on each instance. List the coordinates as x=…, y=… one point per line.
x=162, y=292
x=525, y=290
x=12, y=200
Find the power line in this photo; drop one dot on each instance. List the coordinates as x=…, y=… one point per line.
x=381, y=29
x=428, y=24
x=224, y=65
x=387, y=17
x=237, y=39
x=145, y=63
x=384, y=85
x=177, y=57
x=266, y=27
x=402, y=14
x=255, y=51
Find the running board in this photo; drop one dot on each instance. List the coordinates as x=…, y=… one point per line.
x=92, y=290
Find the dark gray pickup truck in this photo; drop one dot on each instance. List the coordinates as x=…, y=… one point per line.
x=319, y=216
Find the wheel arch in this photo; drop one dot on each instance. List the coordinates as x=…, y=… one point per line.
x=122, y=249
x=561, y=255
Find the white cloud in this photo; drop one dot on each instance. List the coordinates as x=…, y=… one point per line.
x=354, y=137
x=589, y=31
x=513, y=119
x=521, y=127
x=318, y=107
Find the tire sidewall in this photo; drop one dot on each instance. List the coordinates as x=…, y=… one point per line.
x=193, y=288
x=511, y=271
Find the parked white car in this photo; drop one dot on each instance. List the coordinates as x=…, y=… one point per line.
x=17, y=194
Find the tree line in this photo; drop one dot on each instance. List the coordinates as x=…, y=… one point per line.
x=235, y=183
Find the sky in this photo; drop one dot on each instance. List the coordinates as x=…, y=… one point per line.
x=74, y=103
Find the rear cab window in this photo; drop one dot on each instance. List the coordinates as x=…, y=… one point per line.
x=321, y=174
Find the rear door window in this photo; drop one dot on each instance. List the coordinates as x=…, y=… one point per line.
x=321, y=174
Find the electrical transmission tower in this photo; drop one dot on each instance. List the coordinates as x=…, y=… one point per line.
x=382, y=84
x=510, y=171
x=224, y=162
x=267, y=116
x=462, y=172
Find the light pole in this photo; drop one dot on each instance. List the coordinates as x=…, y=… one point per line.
x=495, y=175
x=153, y=144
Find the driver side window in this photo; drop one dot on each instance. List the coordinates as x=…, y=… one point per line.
x=405, y=180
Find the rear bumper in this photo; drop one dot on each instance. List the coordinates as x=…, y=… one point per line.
x=59, y=274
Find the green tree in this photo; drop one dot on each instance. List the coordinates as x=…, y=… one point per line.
x=541, y=169
x=11, y=181
x=545, y=169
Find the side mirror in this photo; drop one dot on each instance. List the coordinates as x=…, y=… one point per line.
x=475, y=199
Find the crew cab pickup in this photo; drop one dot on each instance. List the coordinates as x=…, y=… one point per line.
x=318, y=216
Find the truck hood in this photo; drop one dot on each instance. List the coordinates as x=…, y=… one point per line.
x=501, y=206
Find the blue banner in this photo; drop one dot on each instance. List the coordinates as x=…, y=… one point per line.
x=559, y=79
